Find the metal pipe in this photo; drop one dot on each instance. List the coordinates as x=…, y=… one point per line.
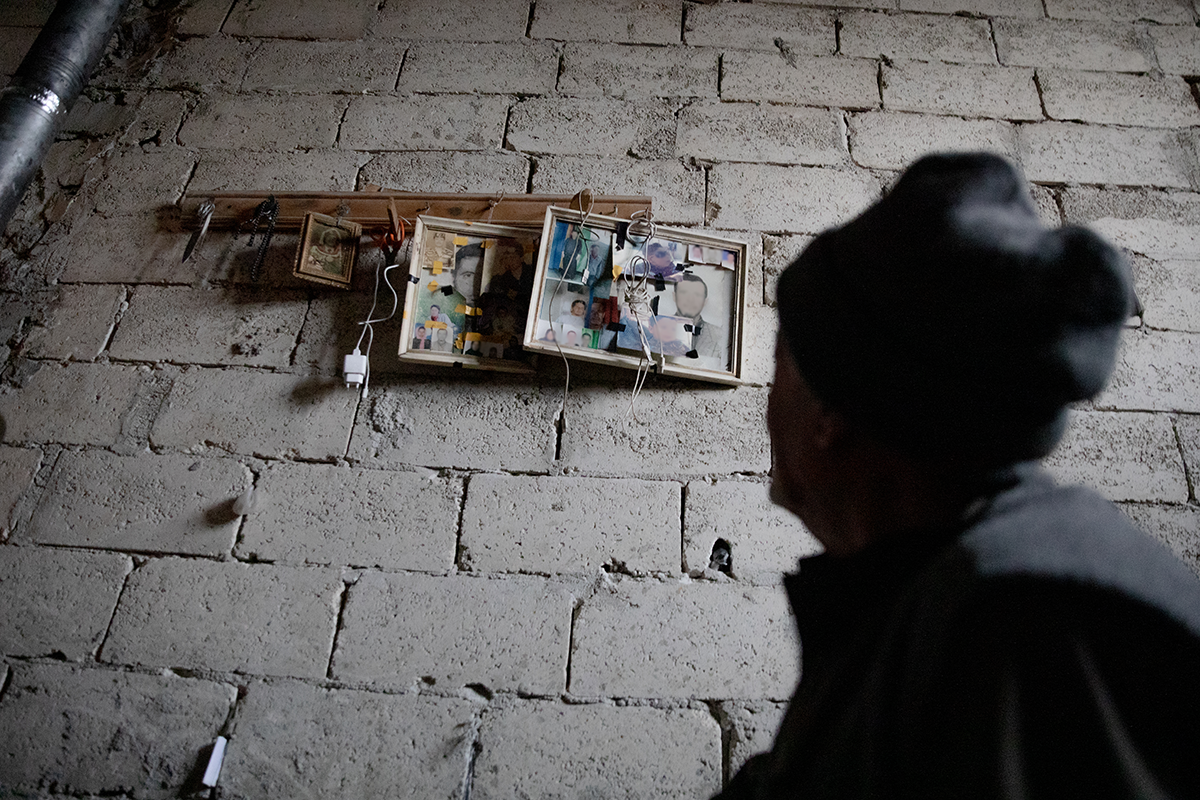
x=45, y=87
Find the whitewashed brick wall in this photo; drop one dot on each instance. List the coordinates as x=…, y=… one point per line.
x=441, y=588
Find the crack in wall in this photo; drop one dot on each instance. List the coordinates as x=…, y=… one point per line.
x=529, y=20
x=683, y=495
x=240, y=535
x=343, y=599
x=728, y=736
x=474, y=748
x=400, y=69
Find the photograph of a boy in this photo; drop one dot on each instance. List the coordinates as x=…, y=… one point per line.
x=573, y=316
x=443, y=340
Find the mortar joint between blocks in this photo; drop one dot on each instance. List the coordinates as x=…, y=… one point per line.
x=1189, y=474
x=460, y=553
x=134, y=565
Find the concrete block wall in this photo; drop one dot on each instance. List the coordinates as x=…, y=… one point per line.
x=458, y=584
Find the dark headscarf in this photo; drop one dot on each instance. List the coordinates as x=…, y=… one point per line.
x=949, y=322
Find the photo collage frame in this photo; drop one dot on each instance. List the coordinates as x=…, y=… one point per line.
x=470, y=294
x=667, y=297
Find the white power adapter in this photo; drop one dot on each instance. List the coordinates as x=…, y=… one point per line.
x=354, y=369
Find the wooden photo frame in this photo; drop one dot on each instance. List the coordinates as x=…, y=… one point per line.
x=470, y=294
x=328, y=249
x=669, y=299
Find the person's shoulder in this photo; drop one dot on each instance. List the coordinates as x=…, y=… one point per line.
x=1069, y=540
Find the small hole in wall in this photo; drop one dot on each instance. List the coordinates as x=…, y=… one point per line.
x=722, y=556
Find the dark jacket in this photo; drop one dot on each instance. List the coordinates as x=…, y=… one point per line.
x=1049, y=650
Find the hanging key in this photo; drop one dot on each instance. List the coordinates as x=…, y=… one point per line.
x=204, y=216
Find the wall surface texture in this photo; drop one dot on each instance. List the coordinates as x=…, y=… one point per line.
x=457, y=585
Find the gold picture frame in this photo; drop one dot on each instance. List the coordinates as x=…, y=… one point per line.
x=328, y=250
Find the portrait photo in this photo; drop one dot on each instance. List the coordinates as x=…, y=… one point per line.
x=702, y=295
x=328, y=249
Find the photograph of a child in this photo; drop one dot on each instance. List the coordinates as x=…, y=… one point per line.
x=663, y=259
x=449, y=303
x=572, y=309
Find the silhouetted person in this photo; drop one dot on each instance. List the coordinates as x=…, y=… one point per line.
x=972, y=630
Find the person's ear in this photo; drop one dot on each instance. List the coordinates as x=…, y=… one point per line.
x=831, y=428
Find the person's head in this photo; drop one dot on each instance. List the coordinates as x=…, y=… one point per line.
x=439, y=335
x=331, y=241
x=466, y=266
x=434, y=311
x=587, y=340
x=944, y=331
x=420, y=332
x=691, y=293
x=577, y=308
x=659, y=256
x=550, y=336
x=510, y=256
x=572, y=338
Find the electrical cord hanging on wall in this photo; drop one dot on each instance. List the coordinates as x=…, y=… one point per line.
x=356, y=367
x=584, y=235
x=637, y=299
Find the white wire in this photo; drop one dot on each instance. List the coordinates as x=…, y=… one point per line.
x=368, y=323
x=584, y=215
x=637, y=297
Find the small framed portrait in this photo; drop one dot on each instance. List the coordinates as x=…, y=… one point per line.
x=469, y=294
x=328, y=249
x=670, y=300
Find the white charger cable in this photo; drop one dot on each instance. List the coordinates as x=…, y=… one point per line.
x=356, y=366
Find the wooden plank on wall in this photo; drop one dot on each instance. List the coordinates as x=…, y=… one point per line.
x=370, y=208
